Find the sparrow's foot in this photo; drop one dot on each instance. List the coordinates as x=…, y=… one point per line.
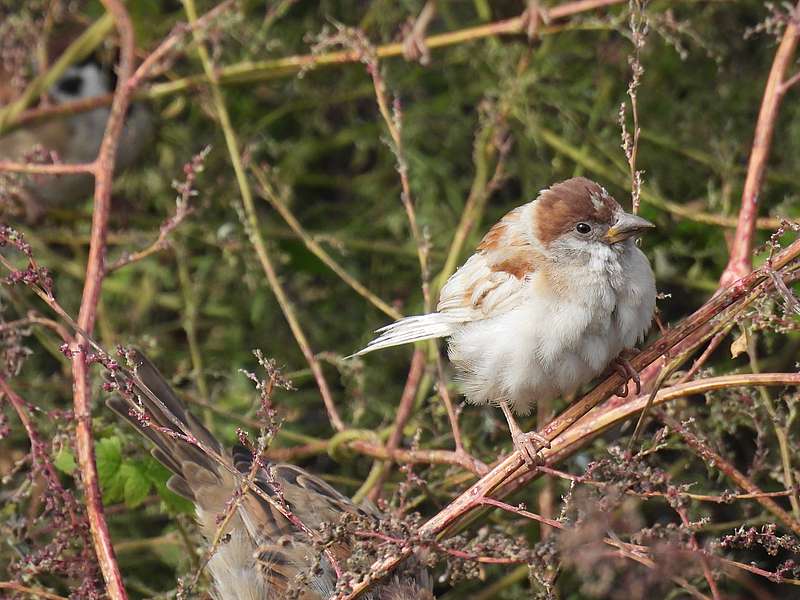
x=623, y=366
x=530, y=445
x=415, y=49
x=532, y=19
x=414, y=46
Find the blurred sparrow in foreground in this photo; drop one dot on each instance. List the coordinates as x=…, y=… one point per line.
x=73, y=139
x=554, y=293
x=266, y=556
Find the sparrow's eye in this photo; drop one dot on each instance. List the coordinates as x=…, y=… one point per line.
x=583, y=228
x=71, y=85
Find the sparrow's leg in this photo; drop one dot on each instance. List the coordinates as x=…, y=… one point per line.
x=414, y=47
x=533, y=17
x=623, y=366
x=527, y=444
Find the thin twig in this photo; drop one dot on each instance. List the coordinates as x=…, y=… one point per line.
x=404, y=410
x=630, y=141
x=249, y=71
x=415, y=457
x=269, y=193
x=40, y=169
x=620, y=177
x=481, y=190
x=712, y=457
x=632, y=551
x=712, y=346
x=709, y=576
x=782, y=433
x=394, y=122
x=24, y=589
x=715, y=498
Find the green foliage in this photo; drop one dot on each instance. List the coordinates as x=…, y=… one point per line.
x=64, y=461
x=126, y=479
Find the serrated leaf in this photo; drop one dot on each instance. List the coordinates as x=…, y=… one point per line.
x=108, y=455
x=65, y=461
x=137, y=485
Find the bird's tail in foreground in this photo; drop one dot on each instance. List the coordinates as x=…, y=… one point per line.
x=266, y=554
x=411, y=329
x=162, y=412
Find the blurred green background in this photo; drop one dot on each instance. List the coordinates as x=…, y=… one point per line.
x=201, y=306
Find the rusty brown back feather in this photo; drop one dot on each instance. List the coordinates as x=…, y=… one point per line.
x=559, y=208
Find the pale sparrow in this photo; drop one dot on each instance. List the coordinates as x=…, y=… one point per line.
x=553, y=294
x=265, y=556
x=73, y=139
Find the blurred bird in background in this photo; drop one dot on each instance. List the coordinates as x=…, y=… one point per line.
x=266, y=556
x=69, y=139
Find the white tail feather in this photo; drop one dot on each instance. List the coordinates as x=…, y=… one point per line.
x=411, y=329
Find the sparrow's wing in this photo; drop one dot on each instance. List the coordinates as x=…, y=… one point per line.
x=492, y=281
x=151, y=406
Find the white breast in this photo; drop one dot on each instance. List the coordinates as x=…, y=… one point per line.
x=552, y=344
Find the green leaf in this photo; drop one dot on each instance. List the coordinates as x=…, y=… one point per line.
x=137, y=485
x=65, y=461
x=108, y=455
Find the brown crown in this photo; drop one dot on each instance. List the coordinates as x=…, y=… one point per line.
x=570, y=202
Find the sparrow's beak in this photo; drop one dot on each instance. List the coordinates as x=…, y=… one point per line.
x=626, y=226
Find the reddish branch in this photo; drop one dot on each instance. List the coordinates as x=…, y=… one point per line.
x=103, y=169
x=740, y=262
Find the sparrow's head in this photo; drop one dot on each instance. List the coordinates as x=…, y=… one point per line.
x=85, y=80
x=578, y=216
